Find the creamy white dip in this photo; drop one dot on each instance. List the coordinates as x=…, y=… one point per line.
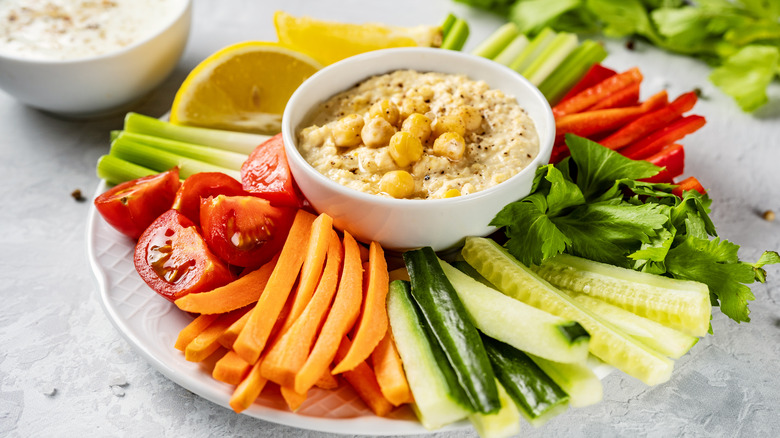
x=504, y=141
x=72, y=29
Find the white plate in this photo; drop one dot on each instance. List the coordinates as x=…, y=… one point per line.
x=151, y=324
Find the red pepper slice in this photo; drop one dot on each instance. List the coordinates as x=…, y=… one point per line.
x=598, y=92
x=651, y=122
x=672, y=159
x=594, y=75
x=626, y=97
x=656, y=141
x=690, y=183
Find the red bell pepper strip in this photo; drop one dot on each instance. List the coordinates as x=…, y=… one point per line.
x=594, y=75
x=672, y=159
x=651, y=122
x=623, y=98
x=600, y=91
x=656, y=141
x=690, y=183
x=587, y=123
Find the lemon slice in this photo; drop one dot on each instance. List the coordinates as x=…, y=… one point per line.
x=242, y=87
x=328, y=41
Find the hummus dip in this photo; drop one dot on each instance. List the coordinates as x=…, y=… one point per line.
x=477, y=137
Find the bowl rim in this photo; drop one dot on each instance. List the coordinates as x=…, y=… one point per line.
x=290, y=140
x=185, y=9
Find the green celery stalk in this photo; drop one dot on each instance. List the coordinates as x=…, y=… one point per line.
x=497, y=41
x=512, y=50
x=446, y=25
x=116, y=170
x=551, y=57
x=240, y=142
x=571, y=70
x=219, y=157
x=532, y=51
x=456, y=36
x=160, y=161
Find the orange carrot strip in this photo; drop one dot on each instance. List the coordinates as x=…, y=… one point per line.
x=234, y=295
x=590, y=96
x=389, y=372
x=364, y=253
x=286, y=356
x=252, y=339
x=231, y=334
x=372, y=325
x=294, y=400
x=312, y=267
x=364, y=382
x=340, y=319
x=327, y=381
x=192, y=330
x=207, y=341
x=248, y=390
x=231, y=368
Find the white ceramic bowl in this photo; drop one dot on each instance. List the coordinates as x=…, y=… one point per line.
x=400, y=224
x=101, y=84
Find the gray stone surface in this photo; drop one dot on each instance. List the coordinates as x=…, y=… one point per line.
x=65, y=371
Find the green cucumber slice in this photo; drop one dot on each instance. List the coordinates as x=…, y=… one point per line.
x=451, y=326
x=578, y=380
x=680, y=304
x=518, y=324
x=434, y=403
x=607, y=342
x=502, y=424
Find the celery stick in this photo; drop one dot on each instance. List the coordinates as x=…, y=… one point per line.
x=552, y=56
x=512, y=50
x=116, y=170
x=446, y=26
x=497, y=41
x=457, y=35
x=532, y=51
x=571, y=70
x=240, y=142
x=219, y=157
x=161, y=161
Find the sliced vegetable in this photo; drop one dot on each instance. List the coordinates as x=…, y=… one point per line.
x=207, y=342
x=456, y=35
x=626, y=97
x=231, y=369
x=532, y=50
x=672, y=160
x=202, y=185
x=512, y=50
x=364, y=383
x=217, y=157
x=497, y=41
x=248, y=390
x=690, y=183
x=577, y=380
x=192, y=330
x=574, y=68
x=267, y=174
x=116, y=170
x=667, y=135
x=594, y=94
x=504, y=423
x=551, y=57
x=389, y=371
x=595, y=74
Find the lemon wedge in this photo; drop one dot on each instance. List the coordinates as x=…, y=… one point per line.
x=242, y=87
x=328, y=41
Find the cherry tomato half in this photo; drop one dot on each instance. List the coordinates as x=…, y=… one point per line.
x=203, y=185
x=244, y=230
x=266, y=174
x=174, y=260
x=131, y=206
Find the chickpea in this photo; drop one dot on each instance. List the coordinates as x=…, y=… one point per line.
x=397, y=183
x=405, y=148
x=377, y=132
x=450, y=145
x=386, y=110
x=470, y=117
x=346, y=131
x=413, y=104
x=418, y=125
x=448, y=123
x=452, y=193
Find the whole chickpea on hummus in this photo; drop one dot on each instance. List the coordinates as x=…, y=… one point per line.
x=417, y=135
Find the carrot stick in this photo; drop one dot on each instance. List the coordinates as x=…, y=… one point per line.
x=207, y=341
x=312, y=267
x=231, y=334
x=248, y=390
x=294, y=400
x=252, y=339
x=364, y=253
x=340, y=319
x=192, y=330
x=364, y=383
x=231, y=368
x=590, y=96
x=372, y=325
x=626, y=97
x=327, y=381
x=286, y=356
x=234, y=295
x=389, y=372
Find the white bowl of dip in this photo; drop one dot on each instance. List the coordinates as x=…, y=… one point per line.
x=401, y=224
x=80, y=61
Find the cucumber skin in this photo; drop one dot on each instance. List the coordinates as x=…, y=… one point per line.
x=451, y=326
x=607, y=342
x=504, y=423
x=579, y=381
x=434, y=404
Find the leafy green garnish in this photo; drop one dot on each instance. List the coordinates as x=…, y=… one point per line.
x=594, y=205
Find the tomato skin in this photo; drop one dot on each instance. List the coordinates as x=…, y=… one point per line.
x=245, y=231
x=266, y=174
x=132, y=205
x=174, y=260
x=203, y=185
